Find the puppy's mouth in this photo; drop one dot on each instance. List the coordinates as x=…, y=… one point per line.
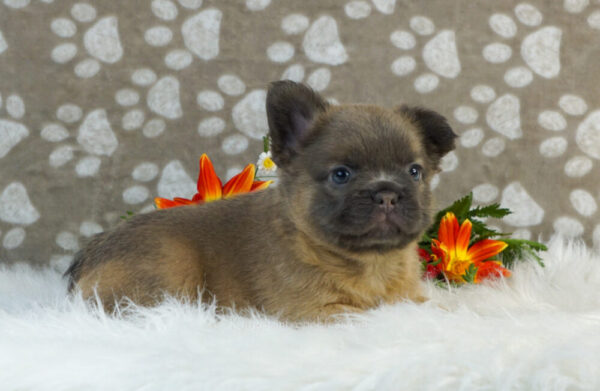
x=381, y=230
x=385, y=223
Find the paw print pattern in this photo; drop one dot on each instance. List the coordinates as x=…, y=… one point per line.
x=540, y=49
x=577, y=7
x=3, y=43
x=15, y=206
x=16, y=209
x=321, y=44
x=320, y=77
x=200, y=32
x=502, y=115
x=69, y=243
x=95, y=138
x=162, y=98
x=18, y=4
x=360, y=9
x=101, y=41
x=248, y=114
x=439, y=54
x=12, y=132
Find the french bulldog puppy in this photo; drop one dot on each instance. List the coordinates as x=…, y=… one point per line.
x=338, y=234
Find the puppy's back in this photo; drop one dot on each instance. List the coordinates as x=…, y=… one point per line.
x=174, y=251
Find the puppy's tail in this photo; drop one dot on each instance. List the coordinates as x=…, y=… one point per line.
x=74, y=271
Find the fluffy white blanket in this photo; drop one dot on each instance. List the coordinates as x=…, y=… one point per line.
x=538, y=330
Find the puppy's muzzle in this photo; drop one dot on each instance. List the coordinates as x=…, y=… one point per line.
x=386, y=200
x=386, y=195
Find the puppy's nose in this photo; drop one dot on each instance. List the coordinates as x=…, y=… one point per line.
x=386, y=200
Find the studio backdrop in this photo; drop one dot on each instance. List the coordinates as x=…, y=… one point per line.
x=105, y=105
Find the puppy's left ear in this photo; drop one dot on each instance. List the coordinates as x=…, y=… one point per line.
x=438, y=137
x=292, y=109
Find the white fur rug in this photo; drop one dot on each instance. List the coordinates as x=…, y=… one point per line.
x=538, y=330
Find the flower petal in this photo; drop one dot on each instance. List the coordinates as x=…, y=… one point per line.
x=241, y=183
x=491, y=269
x=485, y=249
x=163, y=203
x=423, y=254
x=185, y=201
x=260, y=185
x=209, y=185
x=448, y=230
x=462, y=239
x=431, y=272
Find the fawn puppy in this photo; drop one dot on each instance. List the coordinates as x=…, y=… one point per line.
x=339, y=233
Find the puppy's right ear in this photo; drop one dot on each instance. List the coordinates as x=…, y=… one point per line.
x=437, y=135
x=291, y=109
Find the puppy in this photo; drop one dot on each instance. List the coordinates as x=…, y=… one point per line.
x=338, y=234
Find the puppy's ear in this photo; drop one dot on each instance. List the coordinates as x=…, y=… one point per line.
x=291, y=110
x=438, y=137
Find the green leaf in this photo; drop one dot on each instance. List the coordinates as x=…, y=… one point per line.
x=521, y=249
x=470, y=274
x=127, y=215
x=494, y=211
x=460, y=208
x=266, y=144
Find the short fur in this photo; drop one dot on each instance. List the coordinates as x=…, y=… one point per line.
x=306, y=249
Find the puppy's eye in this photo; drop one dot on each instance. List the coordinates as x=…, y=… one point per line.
x=415, y=172
x=340, y=175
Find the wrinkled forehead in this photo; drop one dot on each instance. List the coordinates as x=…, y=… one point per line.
x=366, y=136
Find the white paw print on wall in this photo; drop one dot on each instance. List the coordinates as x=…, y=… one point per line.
x=68, y=241
x=162, y=98
x=94, y=136
x=320, y=77
x=439, y=54
x=142, y=174
x=577, y=7
x=16, y=208
x=359, y=9
x=200, y=32
x=321, y=42
x=248, y=114
x=15, y=205
x=18, y=4
x=3, y=43
x=101, y=41
x=12, y=131
x=555, y=122
x=587, y=134
x=502, y=116
x=540, y=49
x=174, y=181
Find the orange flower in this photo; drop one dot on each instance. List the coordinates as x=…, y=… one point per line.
x=210, y=188
x=458, y=261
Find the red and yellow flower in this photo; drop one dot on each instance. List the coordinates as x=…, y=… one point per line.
x=210, y=187
x=459, y=262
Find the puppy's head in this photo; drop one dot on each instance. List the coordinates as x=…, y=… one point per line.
x=355, y=176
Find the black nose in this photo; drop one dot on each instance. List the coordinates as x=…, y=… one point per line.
x=386, y=200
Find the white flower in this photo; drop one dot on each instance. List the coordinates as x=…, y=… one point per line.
x=266, y=165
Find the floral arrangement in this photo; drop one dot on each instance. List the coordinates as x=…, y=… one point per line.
x=210, y=187
x=458, y=248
